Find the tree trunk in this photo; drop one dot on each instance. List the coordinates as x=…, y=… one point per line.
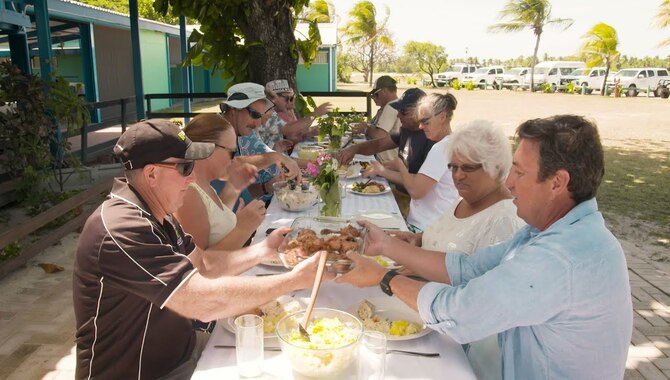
x=270, y=24
x=603, y=87
x=532, y=69
x=372, y=62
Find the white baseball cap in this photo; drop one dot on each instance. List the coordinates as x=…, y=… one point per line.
x=278, y=86
x=242, y=94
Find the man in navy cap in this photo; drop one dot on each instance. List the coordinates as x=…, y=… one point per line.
x=139, y=280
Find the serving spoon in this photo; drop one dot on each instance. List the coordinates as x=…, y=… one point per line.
x=315, y=291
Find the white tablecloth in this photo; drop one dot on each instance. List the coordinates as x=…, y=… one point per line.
x=217, y=363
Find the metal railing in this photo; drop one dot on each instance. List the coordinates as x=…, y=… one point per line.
x=85, y=151
x=222, y=95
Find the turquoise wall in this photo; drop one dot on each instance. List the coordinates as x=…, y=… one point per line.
x=155, y=73
x=316, y=77
x=70, y=67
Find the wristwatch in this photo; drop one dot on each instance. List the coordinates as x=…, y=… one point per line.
x=385, y=283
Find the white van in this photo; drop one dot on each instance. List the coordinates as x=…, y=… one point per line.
x=552, y=71
x=591, y=79
x=634, y=80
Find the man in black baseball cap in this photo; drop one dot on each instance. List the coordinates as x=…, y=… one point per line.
x=139, y=279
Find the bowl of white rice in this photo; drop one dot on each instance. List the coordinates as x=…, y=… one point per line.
x=333, y=345
x=295, y=196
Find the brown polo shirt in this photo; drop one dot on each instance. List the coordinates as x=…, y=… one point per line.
x=127, y=266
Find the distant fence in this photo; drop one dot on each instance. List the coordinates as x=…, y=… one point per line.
x=87, y=152
x=222, y=95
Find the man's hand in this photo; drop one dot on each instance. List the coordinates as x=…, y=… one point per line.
x=306, y=270
x=283, y=145
x=366, y=272
x=360, y=128
x=240, y=174
x=250, y=216
x=323, y=109
x=409, y=237
x=272, y=242
x=345, y=156
x=375, y=169
x=288, y=168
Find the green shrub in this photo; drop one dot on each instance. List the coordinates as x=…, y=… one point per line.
x=455, y=84
x=570, y=88
x=545, y=87
x=470, y=85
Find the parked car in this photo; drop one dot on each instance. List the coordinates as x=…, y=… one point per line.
x=591, y=79
x=513, y=78
x=632, y=80
x=484, y=76
x=663, y=89
x=552, y=71
x=457, y=71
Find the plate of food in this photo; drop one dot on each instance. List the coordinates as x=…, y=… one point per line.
x=368, y=188
x=392, y=317
x=311, y=235
x=271, y=312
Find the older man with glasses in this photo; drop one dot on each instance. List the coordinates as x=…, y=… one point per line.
x=139, y=279
x=411, y=141
x=245, y=108
x=282, y=132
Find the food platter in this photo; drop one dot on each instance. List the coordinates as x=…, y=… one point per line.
x=311, y=235
x=393, y=309
x=352, y=186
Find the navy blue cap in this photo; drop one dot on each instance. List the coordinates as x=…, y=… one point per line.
x=409, y=98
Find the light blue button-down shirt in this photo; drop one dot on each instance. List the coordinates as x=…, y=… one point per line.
x=559, y=298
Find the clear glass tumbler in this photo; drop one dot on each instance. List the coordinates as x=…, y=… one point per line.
x=249, y=345
x=372, y=358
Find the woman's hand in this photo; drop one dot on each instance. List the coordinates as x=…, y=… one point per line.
x=366, y=272
x=409, y=237
x=272, y=242
x=240, y=174
x=394, y=165
x=323, y=109
x=250, y=216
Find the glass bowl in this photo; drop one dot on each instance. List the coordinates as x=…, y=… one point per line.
x=298, y=199
x=310, y=152
x=310, y=235
x=333, y=345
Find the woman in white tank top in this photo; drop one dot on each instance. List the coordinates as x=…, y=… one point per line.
x=204, y=215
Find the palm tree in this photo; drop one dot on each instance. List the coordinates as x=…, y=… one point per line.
x=531, y=14
x=600, y=49
x=363, y=30
x=663, y=19
x=319, y=10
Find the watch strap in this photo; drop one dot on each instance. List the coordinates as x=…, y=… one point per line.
x=385, y=283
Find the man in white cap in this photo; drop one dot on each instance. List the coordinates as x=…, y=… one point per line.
x=244, y=109
x=295, y=129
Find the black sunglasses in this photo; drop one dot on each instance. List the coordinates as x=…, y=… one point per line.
x=184, y=168
x=253, y=113
x=466, y=168
x=288, y=98
x=230, y=151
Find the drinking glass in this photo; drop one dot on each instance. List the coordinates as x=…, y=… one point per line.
x=249, y=345
x=372, y=358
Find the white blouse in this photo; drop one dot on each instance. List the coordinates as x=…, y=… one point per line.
x=493, y=225
x=221, y=219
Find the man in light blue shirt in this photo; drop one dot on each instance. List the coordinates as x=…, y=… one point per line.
x=557, y=292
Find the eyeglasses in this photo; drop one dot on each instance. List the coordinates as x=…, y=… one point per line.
x=288, y=98
x=425, y=120
x=184, y=168
x=376, y=93
x=253, y=113
x=230, y=151
x=465, y=168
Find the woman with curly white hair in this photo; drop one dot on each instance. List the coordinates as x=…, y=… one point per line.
x=479, y=156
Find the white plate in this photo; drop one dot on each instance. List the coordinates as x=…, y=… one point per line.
x=393, y=309
x=229, y=323
x=351, y=190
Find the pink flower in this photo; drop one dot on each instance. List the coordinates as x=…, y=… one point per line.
x=322, y=158
x=313, y=169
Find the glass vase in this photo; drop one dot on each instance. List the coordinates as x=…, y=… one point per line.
x=335, y=143
x=331, y=199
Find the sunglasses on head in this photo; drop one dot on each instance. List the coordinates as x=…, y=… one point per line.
x=184, y=168
x=253, y=113
x=230, y=151
x=466, y=168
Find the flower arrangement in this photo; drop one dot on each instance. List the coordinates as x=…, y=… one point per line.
x=334, y=125
x=324, y=175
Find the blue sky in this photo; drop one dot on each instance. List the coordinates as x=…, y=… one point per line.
x=460, y=25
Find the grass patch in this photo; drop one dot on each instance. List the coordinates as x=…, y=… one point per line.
x=636, y=185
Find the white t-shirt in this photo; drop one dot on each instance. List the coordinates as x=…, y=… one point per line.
x=490, y=226
x=388, y=121
x=423, y=212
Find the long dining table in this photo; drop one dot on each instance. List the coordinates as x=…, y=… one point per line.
x=220, y=363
